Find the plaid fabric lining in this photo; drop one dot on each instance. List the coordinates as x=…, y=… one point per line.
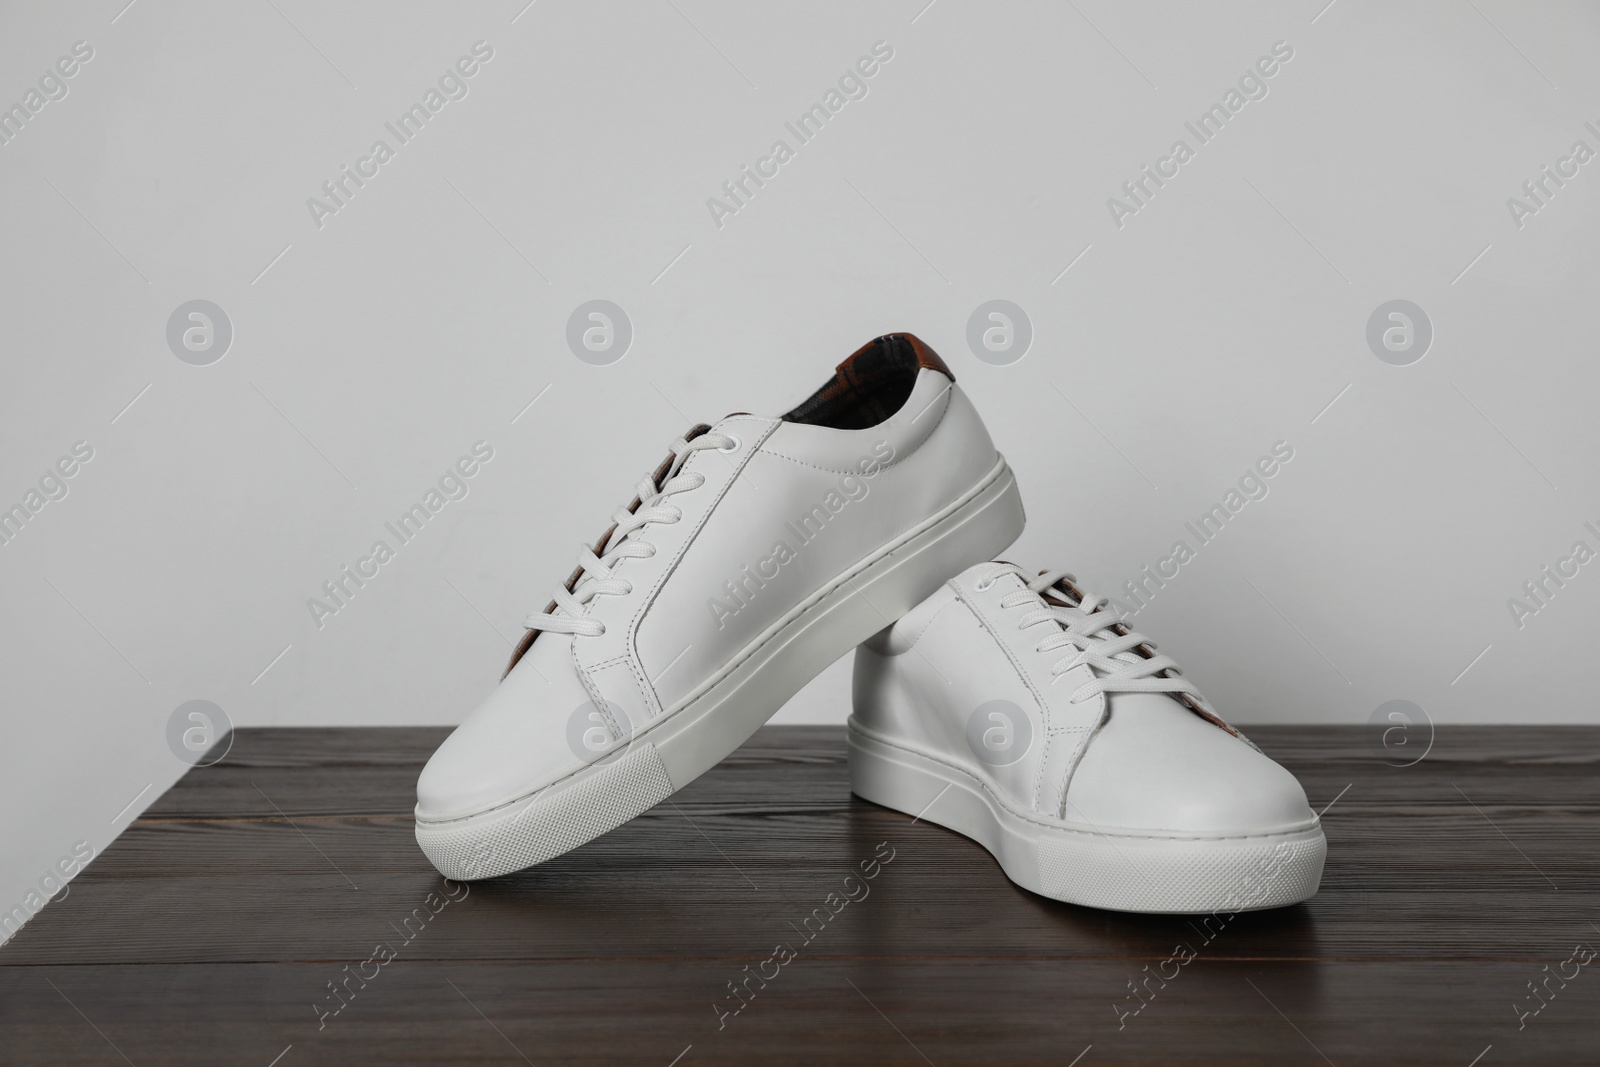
x=870, y=386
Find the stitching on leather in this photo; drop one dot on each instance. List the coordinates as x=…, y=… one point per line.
x=641, y=736
x=1044, y=761
x=863, y=566
x=929, y=624
x=949, y=396
x=1089, y=733
x=1054, y=739
x=584, y=680
x=1076, y=756
x=649, y=601
x=1080, y=744
x=600, y=703
x=1027, y=680
x=652, y=704
x=882, y=467
x=638, y=676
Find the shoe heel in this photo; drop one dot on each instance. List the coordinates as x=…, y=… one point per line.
x=926, y=790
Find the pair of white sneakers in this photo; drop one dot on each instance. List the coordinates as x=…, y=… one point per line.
x=1010, y=707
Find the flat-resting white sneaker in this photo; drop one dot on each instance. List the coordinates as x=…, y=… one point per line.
x=757, y=553
x=1018, y=711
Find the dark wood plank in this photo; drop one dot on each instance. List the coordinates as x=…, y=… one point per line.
x=209, y=928
x=814, y=1011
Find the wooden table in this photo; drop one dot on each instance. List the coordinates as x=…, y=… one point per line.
x=215, y=929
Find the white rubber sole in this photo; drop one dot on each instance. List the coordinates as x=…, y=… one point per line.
x=1079, y=864
x=677, y=748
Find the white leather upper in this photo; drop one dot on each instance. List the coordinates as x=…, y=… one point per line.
x=1140, y=762
x=777, y=519
x=1155, y=764
x=932, y=458
x=514, y=737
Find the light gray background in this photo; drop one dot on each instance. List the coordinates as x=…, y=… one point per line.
x=1228, y=314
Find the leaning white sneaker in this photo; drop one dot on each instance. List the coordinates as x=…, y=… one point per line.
x=758, y=552
x=1018, y=711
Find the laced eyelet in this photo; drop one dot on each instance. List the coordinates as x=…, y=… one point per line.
x=984, y=585
x=733, y=444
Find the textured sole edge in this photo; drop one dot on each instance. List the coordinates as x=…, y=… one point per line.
x=548, y=823
x=686, y=743
x=1116, y=872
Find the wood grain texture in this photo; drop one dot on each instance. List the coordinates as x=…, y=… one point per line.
x=210, y=930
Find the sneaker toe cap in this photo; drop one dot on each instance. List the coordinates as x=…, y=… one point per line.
x=513, y=744
x=1157, y=766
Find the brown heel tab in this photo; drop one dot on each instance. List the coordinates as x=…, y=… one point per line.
x=927, y=358
x=871, y=385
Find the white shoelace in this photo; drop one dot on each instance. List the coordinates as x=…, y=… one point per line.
x=597, y=574
x=1096, y=636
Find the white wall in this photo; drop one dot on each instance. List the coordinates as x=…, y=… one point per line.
x=1224, y=316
